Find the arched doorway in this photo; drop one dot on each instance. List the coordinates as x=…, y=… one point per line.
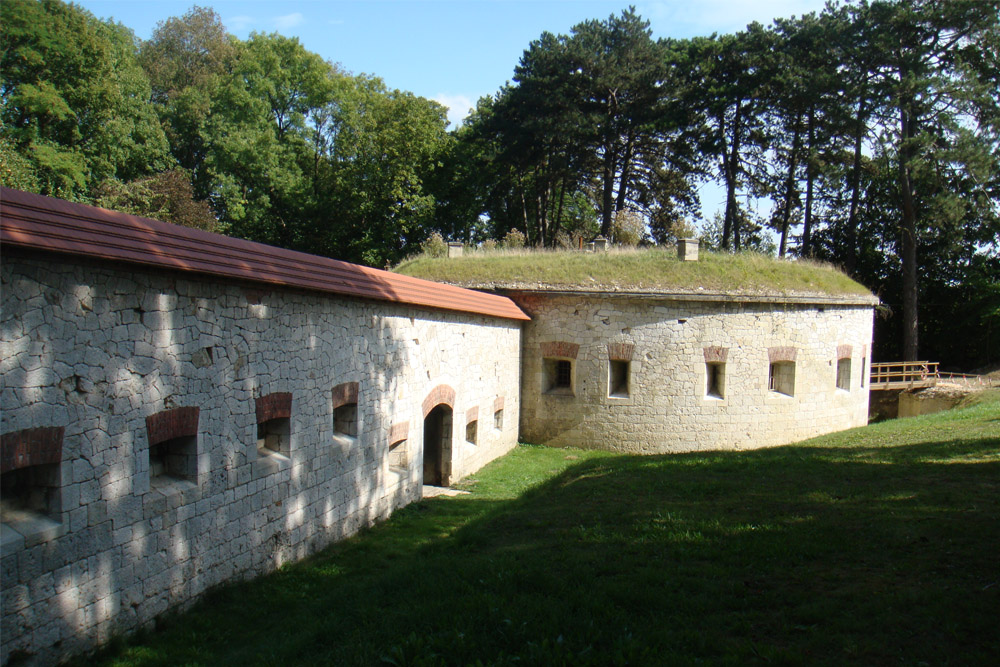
x=437, y=446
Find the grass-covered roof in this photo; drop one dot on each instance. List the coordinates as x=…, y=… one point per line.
x=644, y=270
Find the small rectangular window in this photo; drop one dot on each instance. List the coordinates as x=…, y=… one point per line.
x=174, y=459
x=618, y=372
x=715, y=379
x=864, y=360
x=498, y=419
x=32, y=490
x=345, y=420
x=558, y=376
x=273, y=437
x=398, y=455
x=844, y=374
x=781, y=378
x=471, y=430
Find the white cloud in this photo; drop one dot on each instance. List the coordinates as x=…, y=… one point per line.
x=288, y=21
x=459, y=107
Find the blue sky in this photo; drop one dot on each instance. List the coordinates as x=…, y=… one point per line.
x=452, y=51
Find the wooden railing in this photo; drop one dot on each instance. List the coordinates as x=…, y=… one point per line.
x=904, y=374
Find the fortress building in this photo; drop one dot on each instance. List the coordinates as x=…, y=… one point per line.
x=181, y=409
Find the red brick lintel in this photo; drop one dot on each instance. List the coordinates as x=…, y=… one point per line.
x=472, y=414
x=560, y=349
x=498, y=403
x=781, y=354
x=169, y=424
x=277, y=405
x=398, y=432
x=345, y=394
x=620, y=351
x=716, y=354
x=31, y=447
x=844, y=351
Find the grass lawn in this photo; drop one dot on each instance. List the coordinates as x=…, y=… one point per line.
x=879, y=545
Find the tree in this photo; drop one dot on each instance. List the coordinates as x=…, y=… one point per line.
x=75, y=102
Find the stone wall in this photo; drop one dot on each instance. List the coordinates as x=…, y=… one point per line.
x=642, y=370
x=194, y=431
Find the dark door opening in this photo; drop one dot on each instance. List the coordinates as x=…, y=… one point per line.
x=437, y=446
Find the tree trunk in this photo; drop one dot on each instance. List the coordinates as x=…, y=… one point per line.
x=810, y=178
x=790, y=184
x=908, y=234
x=851, y=233
x=731, y=221
x=626, y=173
x=607, y=213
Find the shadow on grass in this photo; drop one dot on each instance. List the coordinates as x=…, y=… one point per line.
x=801, y=554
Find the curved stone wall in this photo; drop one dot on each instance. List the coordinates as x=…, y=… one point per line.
x=657, y=374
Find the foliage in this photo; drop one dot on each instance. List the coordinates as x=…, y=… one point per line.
x=513, y=240
x=75, y=101
x=167, y=196
x=579, y=557
x=434, y=246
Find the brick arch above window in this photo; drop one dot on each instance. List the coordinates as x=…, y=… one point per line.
x=560, y=349
x=345, y=394
x=844, y=351
x=440, y=394
x=781, y=354
x=277, y=405
x=398, y=432
x=716, y=354
x=620, y=351
x=170, y=424
x=31, y=447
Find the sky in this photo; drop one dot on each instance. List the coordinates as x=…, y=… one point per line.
x=451, y=51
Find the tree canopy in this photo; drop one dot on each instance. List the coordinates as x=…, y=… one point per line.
x=867, y=135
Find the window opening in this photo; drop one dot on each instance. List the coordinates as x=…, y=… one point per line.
x=498, y=419
x=618, y=375
x=781, y=378
x=345, y=420
x=176, y=458
x=715, y=374
x=398, y=456
x=273, y=437
x=471, y=430
x=28, y=491
x=844, y=374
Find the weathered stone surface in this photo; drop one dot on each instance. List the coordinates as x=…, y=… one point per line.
x=118, y=550
x=668, y=407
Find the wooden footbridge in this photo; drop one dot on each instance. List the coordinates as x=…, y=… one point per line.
x=903, y=375
x=920, y=374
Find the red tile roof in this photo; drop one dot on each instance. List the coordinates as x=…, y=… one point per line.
x=43, y=223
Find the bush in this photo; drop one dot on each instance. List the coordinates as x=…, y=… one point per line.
x=513, y=240
x=434, y=246
x=489, y=245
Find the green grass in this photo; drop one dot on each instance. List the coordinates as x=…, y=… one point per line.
x=875, y=546
x=636, y=270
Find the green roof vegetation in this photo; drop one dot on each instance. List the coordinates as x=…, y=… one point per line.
x=639, y=270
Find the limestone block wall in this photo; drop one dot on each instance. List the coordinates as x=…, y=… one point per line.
x=137, y=396
x=665, y=350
